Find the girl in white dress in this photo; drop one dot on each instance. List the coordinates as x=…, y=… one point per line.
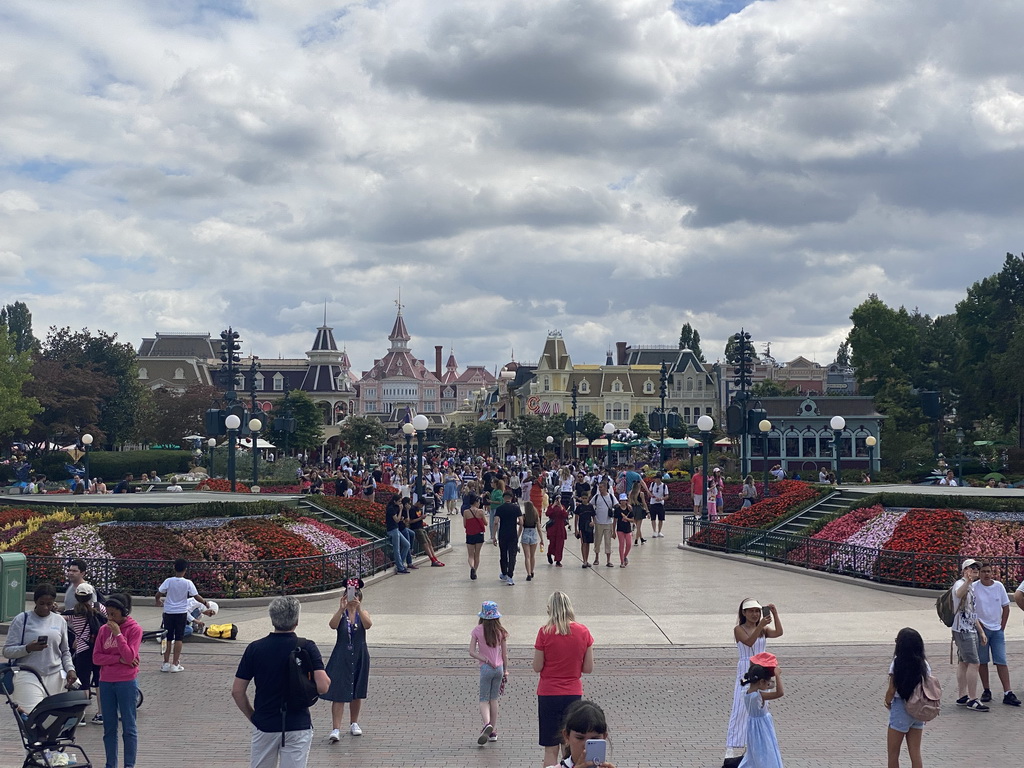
x=754, y=626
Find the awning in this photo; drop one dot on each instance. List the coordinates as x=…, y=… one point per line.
x=246, y=442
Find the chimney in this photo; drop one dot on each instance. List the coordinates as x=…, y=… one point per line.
x=620, y=352
x=437, y=361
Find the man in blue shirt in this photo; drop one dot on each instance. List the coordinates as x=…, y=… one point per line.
x=264, y=660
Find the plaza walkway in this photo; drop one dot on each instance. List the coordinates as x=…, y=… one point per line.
x=664, y=672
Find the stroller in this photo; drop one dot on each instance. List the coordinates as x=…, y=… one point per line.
x=48, y=731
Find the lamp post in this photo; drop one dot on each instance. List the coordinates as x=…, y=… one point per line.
x=550, y=441
x=838, y=424
x=960, y=457
x=765, y=426
x=232, y=422
x=87, y=446
x=420, y=424
x=705, y=424
x=255, y=425
x=609, y=430
x=211, y=444
x=663, y=391
x=871, y=441
x=575, y=424
x=407, y=431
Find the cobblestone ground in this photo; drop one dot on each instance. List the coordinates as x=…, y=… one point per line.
x=667, y=706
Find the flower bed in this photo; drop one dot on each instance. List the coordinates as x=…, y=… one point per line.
x=369, y=514
x=680, y=495
x=839, y=530
x=221, y=484
x=789, y=497
x=923, y=532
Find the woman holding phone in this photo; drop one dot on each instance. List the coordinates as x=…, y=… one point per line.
x=349, y=665
x=754, y=626
x=38, y=640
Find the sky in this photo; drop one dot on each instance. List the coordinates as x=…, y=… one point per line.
x=611, y=169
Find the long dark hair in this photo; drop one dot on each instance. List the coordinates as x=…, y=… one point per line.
x=742, y=617
x=909, y=664
x=583, y=717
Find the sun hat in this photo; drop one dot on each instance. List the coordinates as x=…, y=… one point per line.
x=750, y=603
x=765, y=659
x=85, y=589
x=489, y=610
x=212, y=606
x=970, y=562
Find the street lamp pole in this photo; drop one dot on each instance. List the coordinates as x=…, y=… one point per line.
x=255, y=425
x=211, y=444
x=705, y=424
x=232, y=423
x=765, y=426
x=960, y=457
x=663, y=392
x=407, y=432
x=609, y=430
x=87, y=445
x=871, y=441
x=575, y=450
x=420, y=424
x=838, y=424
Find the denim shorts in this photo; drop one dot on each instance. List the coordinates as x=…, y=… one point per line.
x=899, y=720
x=490, y=682
x=966, y=646
x=994, y=649
x=530, y=536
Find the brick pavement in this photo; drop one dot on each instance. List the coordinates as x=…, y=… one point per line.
x=667, y=706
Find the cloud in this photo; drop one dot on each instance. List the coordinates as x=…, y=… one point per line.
x=610, y=168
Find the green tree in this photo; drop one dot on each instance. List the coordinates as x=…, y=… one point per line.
x=690, y=339
x=71, y=400
x=482, y=433
x=460, y=436
x=18, y=321
x=640, y=425
x=529, y=431
x=590, y=427
x=732, y=351
x=16, y=407
x=309, y=423
x=362, y=435
x=843, y=353
x=883, y=342
x=769, y=388
x=175, y=414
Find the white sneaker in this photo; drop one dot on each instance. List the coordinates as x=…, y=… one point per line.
x=503, y=577
x=165, y=667
x=510, y=583
x=335, y=736
x=177, y=668
x=355, y=730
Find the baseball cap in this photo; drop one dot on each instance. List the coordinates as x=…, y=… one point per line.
x=85, y=589
x=623, y=496
x=970, y=562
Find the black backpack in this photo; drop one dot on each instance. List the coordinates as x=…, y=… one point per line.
x=300, y=687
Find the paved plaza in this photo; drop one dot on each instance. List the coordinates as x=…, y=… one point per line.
x=665, y=667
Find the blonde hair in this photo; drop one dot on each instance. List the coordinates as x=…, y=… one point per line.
x=564, y=474
x=560, y=614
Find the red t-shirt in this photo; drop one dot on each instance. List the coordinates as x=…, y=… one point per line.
x=474, y=525
x=563, y=660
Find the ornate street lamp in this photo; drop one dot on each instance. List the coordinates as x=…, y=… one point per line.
x=255, y=425
x=838, y=424
x=765, y=426
x=609, y=430
x=420, y=424
x=663, y=390
x=549, y=440
x=232, y=423
x=407, y=432
x=211, y=444
x=87, y=445
x=960, y=457
x=871, y=441
x=575, y=424
x=705, y=424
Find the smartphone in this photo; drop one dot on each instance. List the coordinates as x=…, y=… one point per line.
x=766, y=611
x=44, y=639
x=597, y=750
x=350, y=594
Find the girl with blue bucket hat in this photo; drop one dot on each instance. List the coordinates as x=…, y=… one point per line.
x=488, y=645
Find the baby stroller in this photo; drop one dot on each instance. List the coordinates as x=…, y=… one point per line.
x=48, y=731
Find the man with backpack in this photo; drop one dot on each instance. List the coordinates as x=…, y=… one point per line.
x=289, y=673
x=967, y=634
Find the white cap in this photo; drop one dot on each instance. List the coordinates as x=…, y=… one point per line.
x=749, y=603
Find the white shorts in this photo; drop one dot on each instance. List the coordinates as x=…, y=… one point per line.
x=268, y=752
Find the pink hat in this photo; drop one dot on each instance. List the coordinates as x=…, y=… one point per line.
x=765, y=659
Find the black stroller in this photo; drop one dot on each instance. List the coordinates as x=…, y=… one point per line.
x=48, y=731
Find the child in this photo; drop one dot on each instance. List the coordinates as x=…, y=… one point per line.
x=908, y=668
x=762, y=745
x=488, y=645
x=712, y=499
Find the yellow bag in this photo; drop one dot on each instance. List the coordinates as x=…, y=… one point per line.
x=223, y=631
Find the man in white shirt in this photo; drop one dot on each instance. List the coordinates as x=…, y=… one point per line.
x=968, y=633
x=993, y=605
x=659, y=494
x=173, y=595
x=603, y=503
x=949, y=479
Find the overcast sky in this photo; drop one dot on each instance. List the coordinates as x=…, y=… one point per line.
x=609, y=168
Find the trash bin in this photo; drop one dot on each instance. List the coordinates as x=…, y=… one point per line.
x=12, y=584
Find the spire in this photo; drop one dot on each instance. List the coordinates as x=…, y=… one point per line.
x=399, y=336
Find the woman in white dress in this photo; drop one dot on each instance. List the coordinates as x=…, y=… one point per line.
x=755, y=624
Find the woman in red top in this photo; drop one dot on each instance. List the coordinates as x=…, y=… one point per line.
x=475, y=522
x=558, y=518
x=563, y=653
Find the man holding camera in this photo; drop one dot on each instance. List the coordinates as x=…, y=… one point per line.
x=968, y=633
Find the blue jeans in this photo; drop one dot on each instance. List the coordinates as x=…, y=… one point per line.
x=118, y=699
x=995, y=649
x=399, y=547
x=410, y=536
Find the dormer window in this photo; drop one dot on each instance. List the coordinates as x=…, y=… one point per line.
x=648, y=387
x=143, y=373
x=278, y=382
x=584, y=387
x=259, y=382
x=179, y=373
x=616, y=386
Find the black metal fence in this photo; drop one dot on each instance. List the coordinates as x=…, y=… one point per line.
x=910, y=569
x=226, y=579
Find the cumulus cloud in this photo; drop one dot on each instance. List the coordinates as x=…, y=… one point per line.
x=610, y=168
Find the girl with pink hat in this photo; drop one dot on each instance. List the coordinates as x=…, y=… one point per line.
x=763, y=682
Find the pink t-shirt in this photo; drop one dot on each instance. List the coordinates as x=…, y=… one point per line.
x=563, y=660
x=493, y=655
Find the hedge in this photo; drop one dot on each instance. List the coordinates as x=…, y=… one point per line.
x=186, y=512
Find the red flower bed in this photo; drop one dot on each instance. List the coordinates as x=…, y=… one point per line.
x=221, y=484
x=370, y=513
x=10, y=515
x=925, y=531
x=146, y=542
x=838, y=530
x=383, y=489
x=271, y=541
x=787, y=494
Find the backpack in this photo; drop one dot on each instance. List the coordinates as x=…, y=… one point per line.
x=223, y=631
x=944, y=607
x=300, y=688
x=924, y=703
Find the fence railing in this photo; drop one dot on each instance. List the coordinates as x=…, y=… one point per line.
x=910, y=569
x=228, y=579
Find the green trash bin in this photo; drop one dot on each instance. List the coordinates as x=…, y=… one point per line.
x=13, y=571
